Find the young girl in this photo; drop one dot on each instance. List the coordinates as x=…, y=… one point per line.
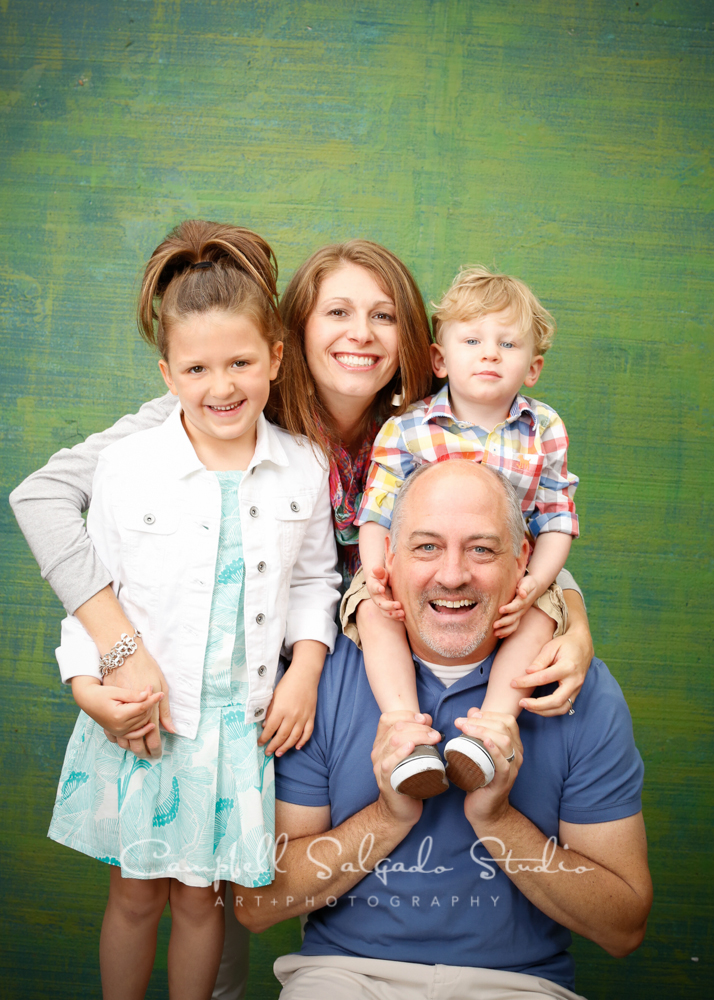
x=216, y=528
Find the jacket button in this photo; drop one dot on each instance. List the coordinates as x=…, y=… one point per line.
x=253, y=511
x=262, y=671
x=260, y=618
x=258, y=712
x=294, y=506
x=261, y=567
x=149, y=519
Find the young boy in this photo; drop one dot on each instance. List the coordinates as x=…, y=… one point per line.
x=491, y=334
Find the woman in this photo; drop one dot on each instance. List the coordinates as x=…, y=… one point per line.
x=357, y=347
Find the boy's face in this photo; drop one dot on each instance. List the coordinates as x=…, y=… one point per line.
x=486, y=360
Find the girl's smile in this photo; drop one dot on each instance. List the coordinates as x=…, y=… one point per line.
x=220, y=366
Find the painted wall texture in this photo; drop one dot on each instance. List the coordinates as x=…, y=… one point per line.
x=567, y=143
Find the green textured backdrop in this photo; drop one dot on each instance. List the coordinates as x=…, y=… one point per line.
x=567, y=143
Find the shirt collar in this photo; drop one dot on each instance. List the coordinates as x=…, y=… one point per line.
x=183, y=460
x=475, y=678
x=440, y=406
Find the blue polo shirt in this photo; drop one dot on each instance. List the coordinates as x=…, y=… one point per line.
x=440, y=898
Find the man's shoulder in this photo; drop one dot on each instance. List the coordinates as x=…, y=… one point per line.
x=343, y=671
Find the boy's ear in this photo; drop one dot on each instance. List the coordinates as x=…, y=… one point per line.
x=534, y=371
x=166, y=375
x=438, y=363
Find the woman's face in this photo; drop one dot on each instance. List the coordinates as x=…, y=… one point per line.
x=351, y=341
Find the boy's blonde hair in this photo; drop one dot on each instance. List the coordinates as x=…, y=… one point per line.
x=476, y=291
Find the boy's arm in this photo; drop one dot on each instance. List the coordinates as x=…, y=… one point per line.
x=554, y=506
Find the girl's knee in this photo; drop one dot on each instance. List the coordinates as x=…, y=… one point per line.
x=139, y=899
x=195, y=902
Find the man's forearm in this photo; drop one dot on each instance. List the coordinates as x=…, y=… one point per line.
x=567, y=886
x=314, y=868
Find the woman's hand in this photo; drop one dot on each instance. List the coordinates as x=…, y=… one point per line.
x=119, y=711
x=377, y=582
x=136, y=673
x=564, y=660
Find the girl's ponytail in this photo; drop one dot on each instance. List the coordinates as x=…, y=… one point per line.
x=208, y=265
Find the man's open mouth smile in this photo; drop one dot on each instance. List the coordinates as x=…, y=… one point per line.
x=443, y=606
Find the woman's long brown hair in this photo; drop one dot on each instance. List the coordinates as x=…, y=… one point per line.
x=294, y=401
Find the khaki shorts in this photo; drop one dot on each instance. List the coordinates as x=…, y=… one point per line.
x=552, y=602
x=340, y=977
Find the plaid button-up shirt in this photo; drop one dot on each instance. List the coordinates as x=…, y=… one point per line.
x=530, y=447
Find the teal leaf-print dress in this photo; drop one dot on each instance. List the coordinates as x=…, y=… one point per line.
x=206, y=809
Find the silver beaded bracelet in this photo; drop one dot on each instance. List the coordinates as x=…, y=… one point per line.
x=118, y=653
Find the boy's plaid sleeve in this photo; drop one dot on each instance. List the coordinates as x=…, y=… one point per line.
x=391, y=463
x=554, y=507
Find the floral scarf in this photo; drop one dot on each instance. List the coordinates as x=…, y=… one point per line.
x=348, y=475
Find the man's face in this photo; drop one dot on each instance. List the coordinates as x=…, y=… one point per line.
x=454, y=566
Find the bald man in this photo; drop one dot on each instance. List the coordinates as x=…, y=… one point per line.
x=466, y=895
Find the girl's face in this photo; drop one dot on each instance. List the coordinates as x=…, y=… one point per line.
x=220, y=366
x=351, y=340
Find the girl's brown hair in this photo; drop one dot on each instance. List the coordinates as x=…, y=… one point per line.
x=295, y=402
x=208, y=265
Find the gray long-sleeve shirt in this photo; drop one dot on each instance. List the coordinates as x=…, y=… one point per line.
x=49, y=505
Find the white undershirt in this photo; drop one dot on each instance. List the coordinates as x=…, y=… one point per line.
x=448, y=674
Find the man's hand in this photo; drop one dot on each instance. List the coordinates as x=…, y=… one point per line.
x=565, y=661
x=139, y=670
x=119, y=711
x=527, y=593
x=397, y=735
x=499, y=733
x=377, y=583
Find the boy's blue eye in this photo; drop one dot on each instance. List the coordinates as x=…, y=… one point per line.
x=507, y=343
x=472, y=341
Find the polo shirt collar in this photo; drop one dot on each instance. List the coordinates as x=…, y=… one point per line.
x=180, y=457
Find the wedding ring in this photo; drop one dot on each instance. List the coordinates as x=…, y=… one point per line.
x=571, y=710
x=512, y=757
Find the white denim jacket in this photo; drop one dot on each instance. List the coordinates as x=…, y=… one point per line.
x=155, y=520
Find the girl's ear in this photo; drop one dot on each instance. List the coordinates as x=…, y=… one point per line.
x=166, y=374
x=534, y=371
x=276, y=356
x=437, y=361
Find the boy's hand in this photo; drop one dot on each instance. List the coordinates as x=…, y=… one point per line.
x=291, y=713
x=377, y=582
x=527, y=592
x=119, y=711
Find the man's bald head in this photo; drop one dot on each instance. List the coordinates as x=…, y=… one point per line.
x=457, y=558
x=463, y=468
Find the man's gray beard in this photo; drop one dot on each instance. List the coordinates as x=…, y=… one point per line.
x=471, y=640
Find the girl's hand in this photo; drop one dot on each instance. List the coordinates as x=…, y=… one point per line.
x=566, y=660
x=119, y=711
x=377, y=582
x=139, y=670
x=526, y=594
x=291, y=713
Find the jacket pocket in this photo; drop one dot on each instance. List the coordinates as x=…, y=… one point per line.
x=148, y=533
x=292, y=514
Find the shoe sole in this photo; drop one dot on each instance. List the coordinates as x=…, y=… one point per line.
x=424, y=785
x=464, y=772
